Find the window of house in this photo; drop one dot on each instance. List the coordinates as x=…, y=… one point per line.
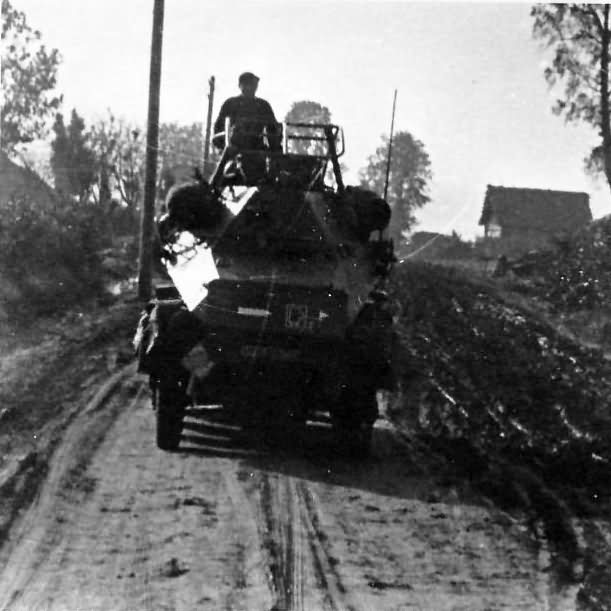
x=493, y=230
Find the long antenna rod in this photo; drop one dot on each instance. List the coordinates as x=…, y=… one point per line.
x=392, y=129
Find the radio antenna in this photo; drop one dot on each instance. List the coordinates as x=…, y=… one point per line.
x=392, y=128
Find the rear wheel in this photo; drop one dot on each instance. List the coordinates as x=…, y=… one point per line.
x=353, y=440
x=353, y=422
x=170, y=402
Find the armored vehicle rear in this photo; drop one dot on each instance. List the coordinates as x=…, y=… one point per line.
x=277, y=308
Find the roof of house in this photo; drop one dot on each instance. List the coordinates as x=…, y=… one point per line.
x=17, y=181
x=536, y=208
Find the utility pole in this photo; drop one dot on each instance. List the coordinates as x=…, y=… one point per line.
x=211, y=82
x=152, y=143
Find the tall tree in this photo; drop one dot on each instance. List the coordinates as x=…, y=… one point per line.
x=119, y=151
x=180, y=153
x=119, y=148
x=410, y=173
x=306, y=111
x=29, y=76
x=578, y=37
x=181, y=145
x=72, y=159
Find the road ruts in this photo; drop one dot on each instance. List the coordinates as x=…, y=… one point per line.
x=232, y=522
x=337, y=597
x=302, y=573
x=34, y=538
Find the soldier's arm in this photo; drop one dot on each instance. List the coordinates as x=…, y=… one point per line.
x=273, y=127
x=219, y=124
x=267, y=112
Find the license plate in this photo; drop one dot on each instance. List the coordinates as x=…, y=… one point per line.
x=299, y=317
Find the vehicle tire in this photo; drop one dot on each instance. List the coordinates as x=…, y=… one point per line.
x=361, y=446
x=353, y=421
x=353, y=440
x=170, y=402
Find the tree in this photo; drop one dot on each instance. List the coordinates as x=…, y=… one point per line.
x=578, y=36
x=72, y=160
x=119, y=148
x=181, y=145
x=119, y=152
x=181, y=153
x=410, y=173
x=306, y=111
x=29, y=76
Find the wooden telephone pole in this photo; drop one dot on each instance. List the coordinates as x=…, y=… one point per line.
x=207, y=136
x=152, y=142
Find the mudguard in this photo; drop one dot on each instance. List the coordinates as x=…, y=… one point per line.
x=152, y=324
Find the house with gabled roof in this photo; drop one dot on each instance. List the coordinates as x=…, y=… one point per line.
x=517, y=220
x=18, y=182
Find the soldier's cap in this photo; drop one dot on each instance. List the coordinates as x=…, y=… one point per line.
x=248, y=77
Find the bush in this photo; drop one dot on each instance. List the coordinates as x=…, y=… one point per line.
x=576, y=276
x=474, y=367
x=50, y=253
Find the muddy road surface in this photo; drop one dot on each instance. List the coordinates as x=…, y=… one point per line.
x=240, y=520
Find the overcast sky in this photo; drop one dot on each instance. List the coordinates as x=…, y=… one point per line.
x=469, y=78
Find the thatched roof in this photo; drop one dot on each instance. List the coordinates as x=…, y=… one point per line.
x=17, y=182
x=542, y=209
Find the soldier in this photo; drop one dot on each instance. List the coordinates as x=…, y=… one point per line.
x=249, y=116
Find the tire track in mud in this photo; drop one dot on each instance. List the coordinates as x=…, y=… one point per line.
x=139, y=528
x=559, y=544
x=336, y=594
x=186, y=530
x=302, y=572
x=250, y=571
x=30, y=540
x=25, y=474
x=278, y=545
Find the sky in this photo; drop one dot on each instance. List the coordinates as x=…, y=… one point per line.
x=469, y=78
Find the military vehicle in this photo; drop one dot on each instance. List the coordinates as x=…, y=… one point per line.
x=277, y=308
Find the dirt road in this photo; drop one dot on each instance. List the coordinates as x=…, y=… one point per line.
x=234, y=521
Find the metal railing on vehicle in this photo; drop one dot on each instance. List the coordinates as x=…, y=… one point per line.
x=291, y=132
x=326, y=132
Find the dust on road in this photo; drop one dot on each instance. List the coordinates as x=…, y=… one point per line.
x=233, y=521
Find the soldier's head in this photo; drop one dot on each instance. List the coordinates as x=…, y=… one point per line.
x=248, y=83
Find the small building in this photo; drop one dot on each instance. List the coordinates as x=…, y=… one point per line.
x=17, y=182
x=518, y=220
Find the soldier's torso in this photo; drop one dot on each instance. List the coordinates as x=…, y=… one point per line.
x=241, y=107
